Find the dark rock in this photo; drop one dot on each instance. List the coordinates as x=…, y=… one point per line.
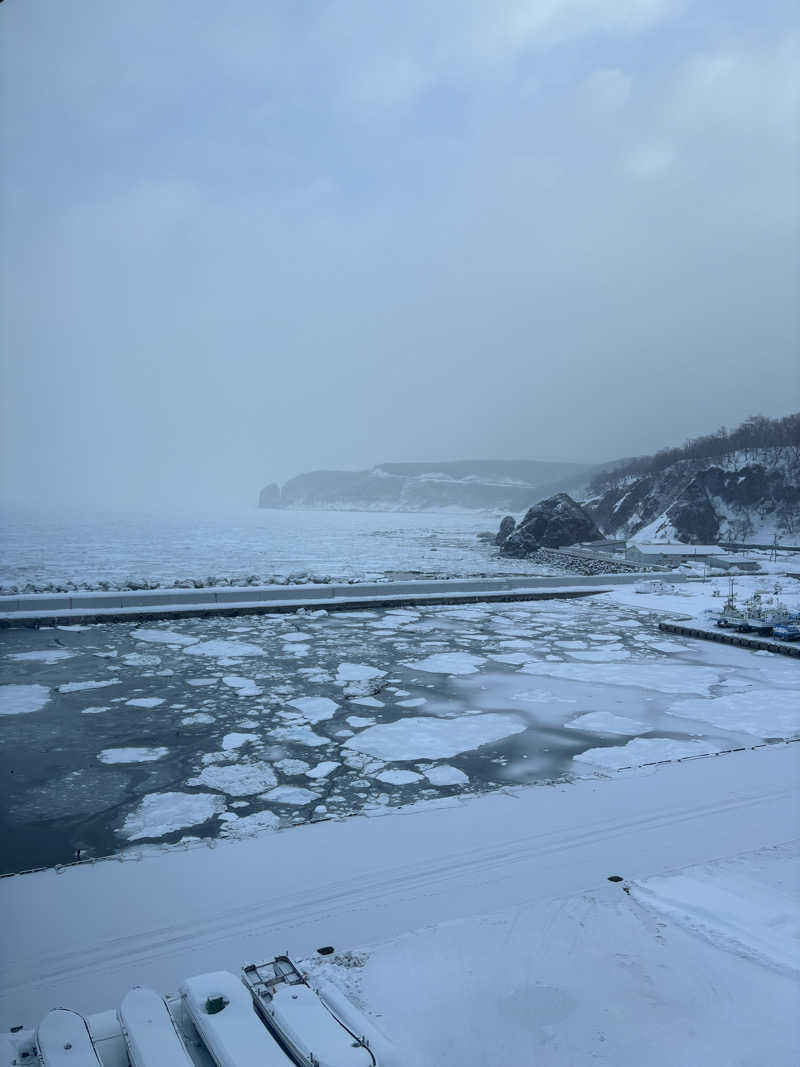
x=507, y=527
x=270, y=496
x=551, y=523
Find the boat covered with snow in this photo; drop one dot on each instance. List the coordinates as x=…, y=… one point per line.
x=221, y=1009
x=151, y=1036
x=63, y=1040
x=301, y=1020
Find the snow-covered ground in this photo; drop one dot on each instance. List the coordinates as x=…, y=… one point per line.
x=478, y=931
x=137, y=735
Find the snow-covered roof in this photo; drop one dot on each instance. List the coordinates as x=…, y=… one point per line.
x=679, y=550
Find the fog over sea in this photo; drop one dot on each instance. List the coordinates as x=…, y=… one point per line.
x=340, y=545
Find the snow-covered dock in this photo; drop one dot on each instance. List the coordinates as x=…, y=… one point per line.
x=41, y=609
x=706, y=633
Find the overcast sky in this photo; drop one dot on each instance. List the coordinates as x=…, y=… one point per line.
x=243, y=238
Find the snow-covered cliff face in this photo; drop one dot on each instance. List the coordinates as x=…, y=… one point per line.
x=745, y=496
x=481, y=484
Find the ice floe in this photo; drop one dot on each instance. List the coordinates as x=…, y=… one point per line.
x=132, y=755
x=425, y=738
x=141, y=659
x=292, y=767
x=448, y=663
x=761, y=712
x=664, y=678
x=303, y=735
x=644, y=750
x=290, y=794
x=315, y=709
x=357, y=672
x=399, y=777
x=201, y=683
x=247, y=825
x=444, y=774
x=236, y=740
x=44, y=655
x=163, y=813
x=608, y=654
x=413, y=702
x=22, y=699
x=197, y=719
x=220, y=649
x=97, y=710
x=322, y=770
x=79, y=687
x=163, y=637
x=145, y=702
x=237, y=779
x=604, y=722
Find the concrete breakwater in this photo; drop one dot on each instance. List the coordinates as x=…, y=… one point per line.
x=61, y=609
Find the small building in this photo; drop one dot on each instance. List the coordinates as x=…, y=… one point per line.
x=671, y=555
x=732, y=562
x=608, y=546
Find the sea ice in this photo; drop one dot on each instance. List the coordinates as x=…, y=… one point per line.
x=444, y=774
x=322, y=770
x=237, y=779
x=79, y=687
x=248, y=825
x=399, y=777
x=197, y=719
x=22, y=699
x=201, y=683
x=290, y=794
x=303, y=735
x=358, y=721
x=145, y=702
x=315, y=709
x=608, y=654
x=162, y=813
x=164, y=637
x=423, y=738
x=644, y=750
x=292, y=767
x=414, y=702
x=297, y=635
x=603, y=722
x=236, y=740
x=44, y=655
x=761, y=712
x=357, y=672
x=132, y=755
x=95, y=710
x=141, y=659
x=220, y=649
x=448, y=663
x=367, y=702
x=664, y=678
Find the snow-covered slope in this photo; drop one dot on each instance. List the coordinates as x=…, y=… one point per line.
x=748, y=495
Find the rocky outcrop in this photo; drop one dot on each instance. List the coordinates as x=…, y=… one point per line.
x=742, y=498
x=551, y=523
x=507, y=527
x=270, y=496
x=479, y=484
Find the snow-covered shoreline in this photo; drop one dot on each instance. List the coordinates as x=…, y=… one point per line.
x=361, y=884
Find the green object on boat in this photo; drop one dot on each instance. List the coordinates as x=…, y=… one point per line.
x=214, y=1005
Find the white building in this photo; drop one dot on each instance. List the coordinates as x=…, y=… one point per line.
x=671, y=555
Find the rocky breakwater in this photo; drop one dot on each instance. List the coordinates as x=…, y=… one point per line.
x=552, y=523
